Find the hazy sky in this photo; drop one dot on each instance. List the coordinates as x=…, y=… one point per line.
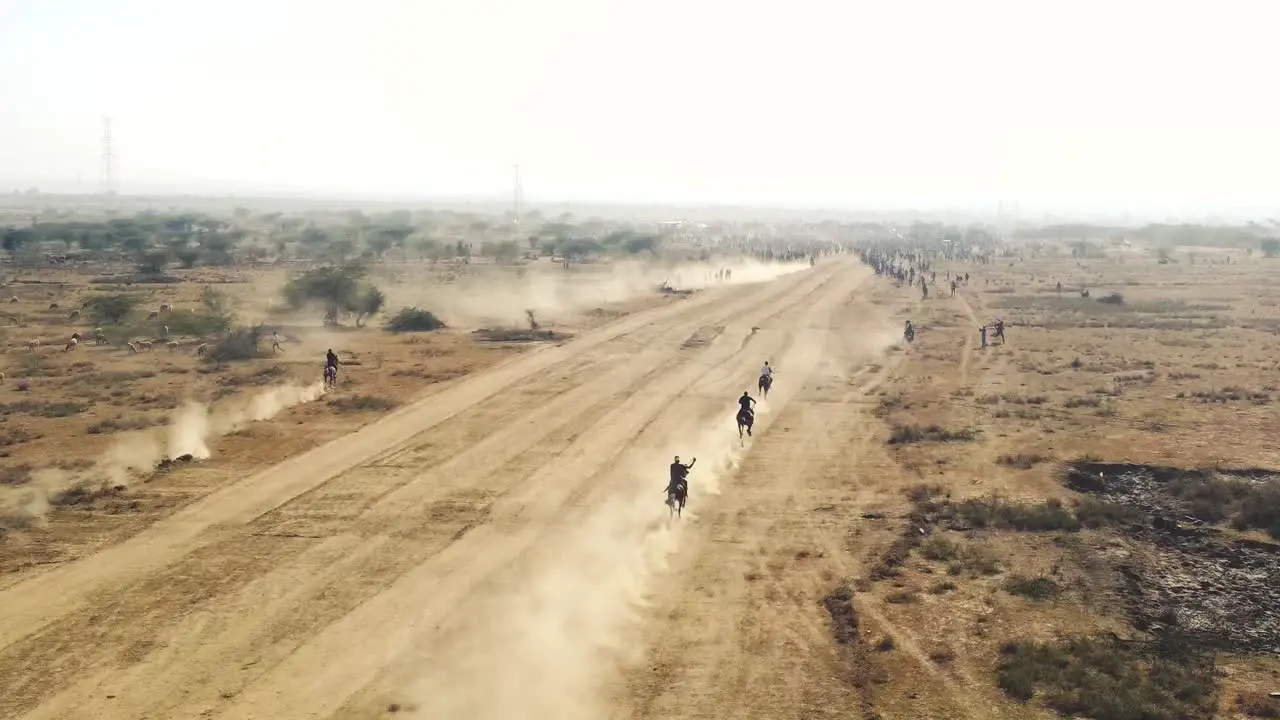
x=843, y=103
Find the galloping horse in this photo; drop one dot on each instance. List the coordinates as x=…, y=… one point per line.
x=677, y=496
x=330, y=376
x=766, y=382
x=746, y=419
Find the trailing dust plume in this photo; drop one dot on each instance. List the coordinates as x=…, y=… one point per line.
x=555, y=293
x=135, y=455
x=547, y=648
x=547, y=645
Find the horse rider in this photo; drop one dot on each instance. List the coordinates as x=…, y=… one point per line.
x=331, y=361
x=680, y=476
x=766, y=371
x=745, y=402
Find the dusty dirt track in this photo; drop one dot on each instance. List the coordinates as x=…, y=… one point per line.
x=484, y=553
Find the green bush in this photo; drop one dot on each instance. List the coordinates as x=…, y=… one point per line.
x=111, y=309
x=1036, y=588
x=237, y=344
x=1108, y=680
x=414, y=320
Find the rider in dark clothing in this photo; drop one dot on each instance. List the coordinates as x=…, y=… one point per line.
x=331, y=360
x=679, y=475
x=745, y=402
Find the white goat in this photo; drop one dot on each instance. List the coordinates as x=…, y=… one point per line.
x=71, y=345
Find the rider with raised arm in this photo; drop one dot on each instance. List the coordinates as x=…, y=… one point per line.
x=679, y=476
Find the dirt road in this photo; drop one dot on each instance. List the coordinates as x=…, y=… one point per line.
x=501, y=549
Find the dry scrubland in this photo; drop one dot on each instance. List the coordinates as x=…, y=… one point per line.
x=83, y=431
x=1080, y=521
x=1075, y=520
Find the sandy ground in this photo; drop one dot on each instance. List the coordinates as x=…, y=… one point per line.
x=72, y=419
x=389, y=545
x=499, y=549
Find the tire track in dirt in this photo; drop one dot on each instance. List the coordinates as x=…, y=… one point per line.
x=406, y=615
x=199, y=654
x=678, y=414
x=34, y=602
x=726, y=650
x=401, y=526
x=197, y=579
x=963, y=702
x=772, y=556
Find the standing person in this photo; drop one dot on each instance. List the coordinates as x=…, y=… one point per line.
x=982, y=331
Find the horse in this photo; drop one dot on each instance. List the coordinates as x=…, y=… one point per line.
x=746, y=419
x=676, y=497
x=766, y=382
x=330, y=376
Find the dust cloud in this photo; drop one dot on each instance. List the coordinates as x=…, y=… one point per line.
x=545, y=649
x=547, y=646
x=134, y=455
x=555, y=294
x=542, y=651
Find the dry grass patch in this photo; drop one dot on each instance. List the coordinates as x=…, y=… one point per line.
x=908, y=434
x=1109, y=679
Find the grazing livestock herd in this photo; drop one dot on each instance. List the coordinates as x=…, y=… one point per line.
x=100, y=337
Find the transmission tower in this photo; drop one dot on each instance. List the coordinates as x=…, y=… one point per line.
x=108, y=159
